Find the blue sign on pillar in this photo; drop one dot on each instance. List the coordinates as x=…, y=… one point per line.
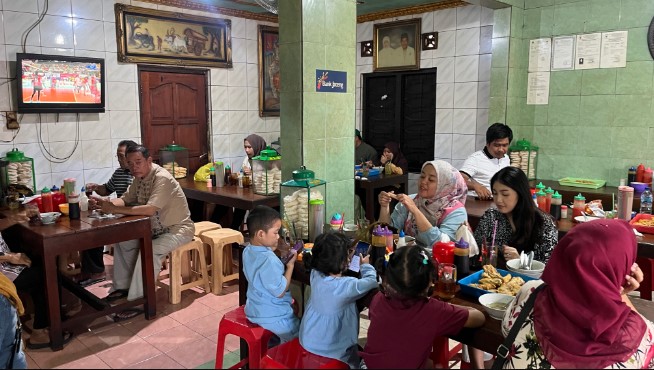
x=331, y=81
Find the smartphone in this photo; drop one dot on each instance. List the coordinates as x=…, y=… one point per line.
x=299, y=245
x=355, y=263
x=362, y=248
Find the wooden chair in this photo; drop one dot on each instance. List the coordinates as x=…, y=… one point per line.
x=221, y=257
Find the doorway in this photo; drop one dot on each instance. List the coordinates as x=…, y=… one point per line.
x=174, y=109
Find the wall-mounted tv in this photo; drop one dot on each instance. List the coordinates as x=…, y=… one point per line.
x=59, y=84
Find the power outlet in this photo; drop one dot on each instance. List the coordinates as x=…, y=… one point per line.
x=12, y=121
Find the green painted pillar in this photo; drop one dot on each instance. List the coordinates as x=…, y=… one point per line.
x=317, y=128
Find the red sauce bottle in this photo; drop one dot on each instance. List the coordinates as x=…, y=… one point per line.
x=46, y=199
x=640, y=173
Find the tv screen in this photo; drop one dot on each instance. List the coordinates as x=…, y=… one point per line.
x=59, y=84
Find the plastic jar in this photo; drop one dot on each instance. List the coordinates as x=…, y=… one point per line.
x=578, y=205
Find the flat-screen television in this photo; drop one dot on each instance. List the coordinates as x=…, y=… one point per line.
x=59, y=84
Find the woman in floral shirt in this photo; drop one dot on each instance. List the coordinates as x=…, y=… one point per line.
x=583, y=318
x=521, y=226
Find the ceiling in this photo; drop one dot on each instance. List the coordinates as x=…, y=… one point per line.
x=365, y=7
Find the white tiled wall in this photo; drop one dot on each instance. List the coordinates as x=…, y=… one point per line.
x=463, y=78
x=87, y=28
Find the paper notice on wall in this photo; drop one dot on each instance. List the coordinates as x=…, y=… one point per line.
x=587, y=51
x=538, y=88
x=614, y=49
x=540, y=52
x=563, y=53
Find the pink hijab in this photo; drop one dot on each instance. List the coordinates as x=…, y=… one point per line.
x=579, y=317
x=450, y=194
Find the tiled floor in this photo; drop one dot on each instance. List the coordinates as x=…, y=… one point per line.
x=182, y=335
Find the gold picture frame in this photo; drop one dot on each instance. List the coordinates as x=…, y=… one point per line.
x=155, y=36
x=396, y=45
x=269, y=71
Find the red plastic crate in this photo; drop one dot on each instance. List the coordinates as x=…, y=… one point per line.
x=642, y=228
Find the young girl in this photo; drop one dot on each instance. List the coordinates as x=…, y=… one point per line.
x=330, y=325
x=403, y=319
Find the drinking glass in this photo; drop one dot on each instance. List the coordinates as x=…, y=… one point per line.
x=446, y=281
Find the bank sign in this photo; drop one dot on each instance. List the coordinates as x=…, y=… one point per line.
x=331, y=81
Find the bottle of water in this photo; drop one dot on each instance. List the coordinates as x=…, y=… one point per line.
x=646, y=201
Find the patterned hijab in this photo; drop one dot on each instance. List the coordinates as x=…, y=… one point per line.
x=257, y=142
x=451, y=192
x=579, y=317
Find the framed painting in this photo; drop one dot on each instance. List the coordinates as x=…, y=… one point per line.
x=154, y=36
x=396, y=45
x=269, y=68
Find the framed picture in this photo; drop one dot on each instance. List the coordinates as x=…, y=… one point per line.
x=269, y=82
x=154, y=36
x=397, y=45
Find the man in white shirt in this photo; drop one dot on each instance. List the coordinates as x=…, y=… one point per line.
x=405, y=55
x=481, y=165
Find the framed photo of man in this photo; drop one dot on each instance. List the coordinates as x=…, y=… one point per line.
x=397, y=45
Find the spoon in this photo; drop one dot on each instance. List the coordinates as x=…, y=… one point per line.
x=530, y=260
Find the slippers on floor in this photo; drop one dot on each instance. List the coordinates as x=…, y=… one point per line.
x=127, y=314
x=68, y=336
x=116, y=295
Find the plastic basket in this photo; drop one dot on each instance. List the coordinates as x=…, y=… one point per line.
x=474, y=278
x=582, y=183
x=642, y=228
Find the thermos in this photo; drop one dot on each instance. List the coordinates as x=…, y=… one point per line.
x=73, y=206
x=219, y=172
x=625, y=202
x=316, y=218
x=462, y=258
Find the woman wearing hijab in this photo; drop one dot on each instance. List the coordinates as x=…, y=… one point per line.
x=582, y=317
x=521, y=226
x=253, y=145
x=392, y=154
x=437, y=208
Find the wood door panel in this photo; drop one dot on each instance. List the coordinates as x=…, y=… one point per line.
x=174, y=110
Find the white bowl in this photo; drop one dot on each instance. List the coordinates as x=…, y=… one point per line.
x=489, y=300
x=536, y=271
x=49, y=217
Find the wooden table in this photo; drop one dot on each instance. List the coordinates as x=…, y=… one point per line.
x=65, y=236
x=229, y=196
x=476, y=208
x=370, y=186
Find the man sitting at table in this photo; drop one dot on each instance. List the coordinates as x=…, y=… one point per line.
x=363, y=152
x=155, y=193
x=92, y=259
x=481, y=165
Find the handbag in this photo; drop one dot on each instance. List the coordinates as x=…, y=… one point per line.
x=505, y=348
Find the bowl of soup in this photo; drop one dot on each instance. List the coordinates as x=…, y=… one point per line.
x=496, y=304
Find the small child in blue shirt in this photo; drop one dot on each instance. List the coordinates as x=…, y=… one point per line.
x=268, y=298
x=330, y=325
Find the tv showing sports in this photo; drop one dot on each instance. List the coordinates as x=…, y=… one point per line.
x=59, y=84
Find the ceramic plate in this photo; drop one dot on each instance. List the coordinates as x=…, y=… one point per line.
x=587, y=218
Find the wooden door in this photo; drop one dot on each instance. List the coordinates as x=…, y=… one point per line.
x=174, y=109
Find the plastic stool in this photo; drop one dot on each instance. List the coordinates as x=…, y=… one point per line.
x=441, y=353
x=217, y=240
x=234, y=322
x=177, y=258
x=203, y=226
x=647, y=266
x=291, y=355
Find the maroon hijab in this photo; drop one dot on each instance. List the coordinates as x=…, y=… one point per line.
x=398, y=158
x=579, y=317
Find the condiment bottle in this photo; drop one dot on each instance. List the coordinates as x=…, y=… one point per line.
x=631, y=175
x=564, y=211
x=548, y=200
x=540, y=187
x=401, y=239
x=57, y=197
x=462, y=258
x=647, y=177
x=73, y=206
x=228, y=173
x=83, y=201
x=212, y=176
x=640, y=173
x=541, y=199
x=578, y=205
x=555, y=209
x=46, y=199
x=389, y=239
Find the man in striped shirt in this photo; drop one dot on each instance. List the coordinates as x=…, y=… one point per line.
x=92, y=259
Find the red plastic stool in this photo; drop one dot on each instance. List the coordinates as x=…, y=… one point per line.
x=234, y=322
x=647, y=266
x=291, y=355
x=441, y=353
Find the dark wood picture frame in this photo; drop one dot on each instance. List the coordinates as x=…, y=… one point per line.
x=269, y=71
x=159, y=37
x=390, y=52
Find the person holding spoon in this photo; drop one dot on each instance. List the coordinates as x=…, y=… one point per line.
x=437, y=208
x=521, y=226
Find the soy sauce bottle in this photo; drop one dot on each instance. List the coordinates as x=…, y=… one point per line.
x=228, y=172
x=462, y=258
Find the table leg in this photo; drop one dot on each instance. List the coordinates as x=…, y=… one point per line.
x=52, y=297
x=148, y=276
x=370, y=204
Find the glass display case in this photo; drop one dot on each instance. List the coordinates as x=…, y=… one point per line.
x=19, y=171
x=296, y=197
x=174, y=158
x=523, y=155
x=267, y=172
